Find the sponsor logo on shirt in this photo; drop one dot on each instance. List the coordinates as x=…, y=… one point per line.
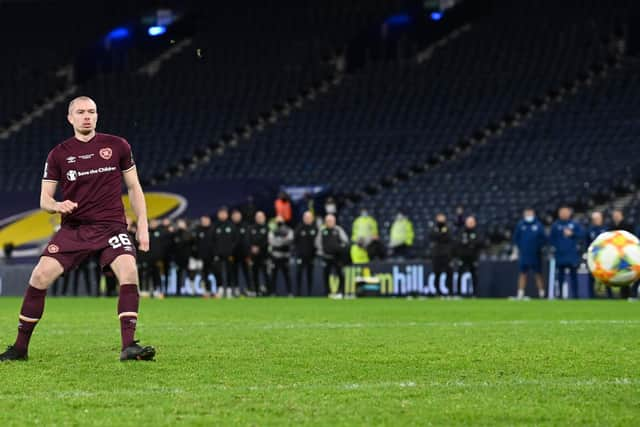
x=72, y=175
x=86, y=156
x=106, y=153
x=53, y=249
x=71, y=159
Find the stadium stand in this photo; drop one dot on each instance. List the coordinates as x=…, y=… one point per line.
x=586, y=147
x=210, y=87
x=39, y=65
x=391, y=115
x=383, y=120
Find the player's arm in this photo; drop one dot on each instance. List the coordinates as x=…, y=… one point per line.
x=139, y=207
x=48, y=202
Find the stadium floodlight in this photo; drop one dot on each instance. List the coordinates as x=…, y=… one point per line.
x=399, y=19
x=436, y=16
x=118, y=34
x=156, y=30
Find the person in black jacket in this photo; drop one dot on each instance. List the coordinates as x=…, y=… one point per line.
x=280, y=243
x=152, y=271
x=259, y=247
x=204, y=251
x=225, y=238
x=333, y=246
x=167, y=229
x=241, y=253
x=468, y=246
x=183, y=240
x=441, y=244
x=305, y=245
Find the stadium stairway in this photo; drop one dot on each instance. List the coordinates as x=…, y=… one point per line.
x=37, y=110
x=245, y=133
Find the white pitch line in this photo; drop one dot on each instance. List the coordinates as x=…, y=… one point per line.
x=238, y=325
x=451, y=384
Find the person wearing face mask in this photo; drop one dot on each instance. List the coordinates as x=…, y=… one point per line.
x=468, y=246
x=595, y=228
x=529, y=238
x=364, y=229
x=401, y=236
x=330, y=207
x=565, y=236
x=280, y=243
x=441, y=244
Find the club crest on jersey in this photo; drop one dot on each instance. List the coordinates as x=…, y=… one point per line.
x=72, y=175
x=106, y=153
x=53, y=249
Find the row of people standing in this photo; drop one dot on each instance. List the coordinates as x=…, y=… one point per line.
x=232, y=251
x=568, y=241
x=453, y=245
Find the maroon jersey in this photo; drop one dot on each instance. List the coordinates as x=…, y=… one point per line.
x=90, y=174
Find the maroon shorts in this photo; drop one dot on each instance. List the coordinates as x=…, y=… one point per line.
x=72, y=244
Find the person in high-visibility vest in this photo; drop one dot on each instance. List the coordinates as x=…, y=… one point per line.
x=401, y=236
x=359, y=254
x=364, y=229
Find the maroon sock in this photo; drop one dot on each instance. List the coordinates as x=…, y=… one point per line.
x=128, y=312
x=30, y=314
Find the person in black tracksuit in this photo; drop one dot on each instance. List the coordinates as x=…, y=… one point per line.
x=183, y=240
x=241, y=253
x=204, y=234
x=305, y=245
x=152, y=272
x=224, y=241
x=259, y=247
x=280, y=245
x=333, y=246
x=167, y=230
x=74, y=277
x=441, y=243
x=467, y=249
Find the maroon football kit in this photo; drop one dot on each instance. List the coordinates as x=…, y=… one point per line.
x=90, y=174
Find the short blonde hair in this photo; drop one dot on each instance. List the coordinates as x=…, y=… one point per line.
x=80, y=98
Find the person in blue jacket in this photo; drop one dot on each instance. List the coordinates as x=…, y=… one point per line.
x=565, y=237
x=529, y=237
x=595, y=228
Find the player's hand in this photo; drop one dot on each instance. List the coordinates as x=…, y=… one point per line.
x=568, y=232
x=142, y=235
x=65, y=207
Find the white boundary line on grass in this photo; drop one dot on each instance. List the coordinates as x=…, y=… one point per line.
x=452, y=384
x=390, y=324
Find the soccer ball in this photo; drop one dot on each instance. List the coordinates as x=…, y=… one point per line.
x=614, y=258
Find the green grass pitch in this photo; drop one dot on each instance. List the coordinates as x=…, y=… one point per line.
x=322, y=362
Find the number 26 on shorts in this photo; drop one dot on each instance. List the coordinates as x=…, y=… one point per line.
x=120, y=240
